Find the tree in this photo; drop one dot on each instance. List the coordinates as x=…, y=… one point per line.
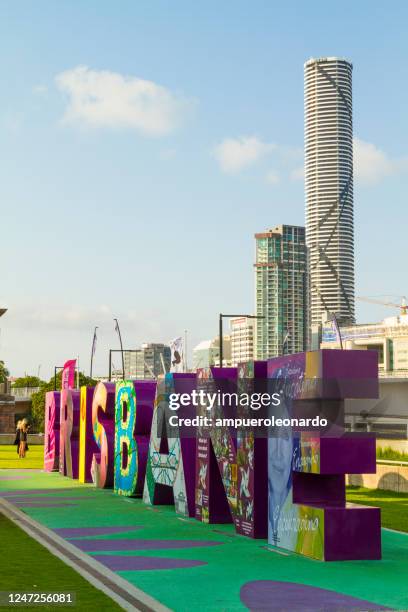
x=38, y=399
x=28, y=381
x=4, y=373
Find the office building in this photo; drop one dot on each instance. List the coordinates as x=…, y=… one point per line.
x=281, y=291
x=242, y=334
x=329, y=188
x=148, y=362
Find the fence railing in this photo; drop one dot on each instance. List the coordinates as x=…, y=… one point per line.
x=20, y=392
x=392, y=462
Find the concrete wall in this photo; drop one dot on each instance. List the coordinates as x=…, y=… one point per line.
x=33, y=439
x=10, y=411
x=388, y=477
x=392, y=402
x=7, y=414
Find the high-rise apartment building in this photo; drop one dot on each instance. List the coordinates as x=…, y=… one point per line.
x=242, y=334
x=329, y=188
x=281, y=291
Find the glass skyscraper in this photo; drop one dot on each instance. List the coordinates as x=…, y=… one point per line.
x=281, y=291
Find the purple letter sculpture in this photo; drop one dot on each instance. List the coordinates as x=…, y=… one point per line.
x=103, y=425
x=251, y=517
x=306, y=470
x=69, y=433
x=231, y=464
x=134, y=409
x=216, y=457
x=170, y=473
x=52, y=431
x=87, y=444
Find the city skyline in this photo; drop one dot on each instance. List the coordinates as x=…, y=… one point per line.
x=217, y=157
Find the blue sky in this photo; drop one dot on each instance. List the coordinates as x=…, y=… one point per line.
x=143, y=143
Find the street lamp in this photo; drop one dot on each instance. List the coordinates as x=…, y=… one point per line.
x=232, y=316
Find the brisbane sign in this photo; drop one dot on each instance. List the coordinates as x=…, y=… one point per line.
x=286, y=484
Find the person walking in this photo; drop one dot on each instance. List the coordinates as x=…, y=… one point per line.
x=17, y=440
x=23, y=438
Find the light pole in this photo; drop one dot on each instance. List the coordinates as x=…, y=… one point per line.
x=231, y=316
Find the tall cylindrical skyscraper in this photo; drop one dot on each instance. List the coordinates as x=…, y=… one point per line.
x=329, y=187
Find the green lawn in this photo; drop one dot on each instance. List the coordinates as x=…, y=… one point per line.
x=391, y=454
x=394, y=506
x=32, y=568
x=34, y=458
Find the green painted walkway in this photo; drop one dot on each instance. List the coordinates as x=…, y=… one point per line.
x=226, y=566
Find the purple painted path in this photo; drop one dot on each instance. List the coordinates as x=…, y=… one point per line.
x=72, y=532
x=37, y=499
x=139, y=544
x=276, y=595
x=121, y=563
x=44, y=504
x=19, y=492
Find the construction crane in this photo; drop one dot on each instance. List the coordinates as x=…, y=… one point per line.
x=403, y=306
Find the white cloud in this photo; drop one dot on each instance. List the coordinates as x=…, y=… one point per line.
x=234, y=154
x=108, y=99
x=272, y=177
x=371, y=164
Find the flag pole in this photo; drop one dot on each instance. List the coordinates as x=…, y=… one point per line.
x=93, y=351
x=185, y=351
x=121, y=347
